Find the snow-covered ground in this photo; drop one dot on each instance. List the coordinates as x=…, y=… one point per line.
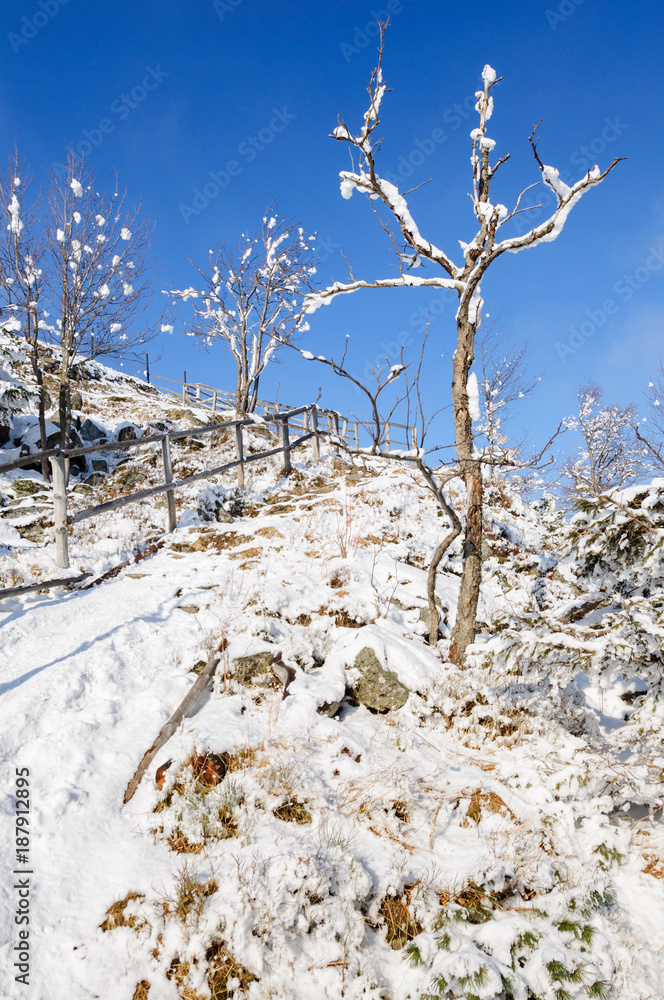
x=498, y=834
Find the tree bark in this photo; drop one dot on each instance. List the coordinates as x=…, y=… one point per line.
x=471, y=469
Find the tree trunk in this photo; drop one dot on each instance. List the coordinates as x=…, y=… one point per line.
x=469, y=592
x=251, y=406
x=463, y=633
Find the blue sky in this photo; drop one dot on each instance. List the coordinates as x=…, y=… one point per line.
x=168, y=92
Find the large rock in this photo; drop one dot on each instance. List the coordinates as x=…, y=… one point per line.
x=27, y=487
x=249, y=668
x=378, y=688
x=90, y=431
x=127, y=433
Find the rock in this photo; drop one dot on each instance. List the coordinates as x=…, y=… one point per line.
x=100, y=465
x=130, y=479
x=191, y=609
x=247, y=668
x=76, y=401
x=127, y=433
x=85, y=489
x=341, y=464
x=4, y=434
x=27, y=487
x=329, y=708
x=222, y=515
x=94, y=479
x=177, y=416
x=90, y=431
x=378, y=688
x=486, y=551
x=33, y=532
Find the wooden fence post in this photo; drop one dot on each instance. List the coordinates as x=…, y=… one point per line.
x=239, y=447
x=214, y=401
x=168, y=478
x=60, y=511
x=357, y=435
x=387, y=437
x=335, y=424
x=286, y=443
x=314, y=427
x=184, y=393
x=414, y=437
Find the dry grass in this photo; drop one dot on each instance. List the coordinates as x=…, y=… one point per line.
x=218, y=541
x=654, y=866
x=115, y=916
x=181, y=845
x=488, y=801
x=190, y=893
x=400, y=925
x=142, y=990
x=223, y=969
x=292, y=811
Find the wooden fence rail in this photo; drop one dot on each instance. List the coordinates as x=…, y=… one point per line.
x=311, y=426
x=206, y=396
x=60, y=458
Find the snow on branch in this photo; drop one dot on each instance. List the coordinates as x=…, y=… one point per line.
x=317, y=299
x=366, y=179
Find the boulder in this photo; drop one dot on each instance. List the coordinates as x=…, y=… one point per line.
x=4, y=434
x=90, y=431
x=248, y=668
x=378, y=688
x=27, y=487
x=76, y=401
x=127, y=433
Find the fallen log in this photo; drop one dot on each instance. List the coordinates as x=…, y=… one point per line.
x=184, y=709
x=150, y=550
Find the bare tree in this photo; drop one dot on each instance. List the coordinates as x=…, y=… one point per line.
x=464, y=279
x=98, y=273
x=377, y=426
x=611, y=456
x=22, y=277
x=252, y=299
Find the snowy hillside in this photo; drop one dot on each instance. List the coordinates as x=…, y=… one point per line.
x=373, y=822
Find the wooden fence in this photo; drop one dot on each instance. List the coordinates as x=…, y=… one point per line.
x=349, y=430
x=313, y=424
x=60, y=458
